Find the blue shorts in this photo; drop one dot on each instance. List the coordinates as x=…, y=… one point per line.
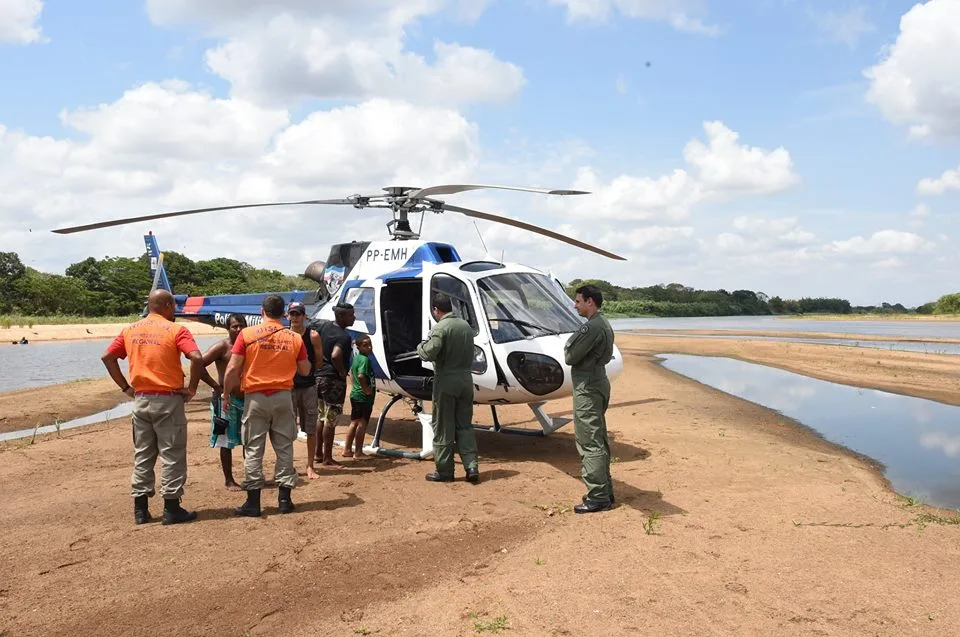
x=231, y=438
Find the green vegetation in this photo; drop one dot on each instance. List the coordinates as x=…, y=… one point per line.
x=676, y=299
x=114, y=288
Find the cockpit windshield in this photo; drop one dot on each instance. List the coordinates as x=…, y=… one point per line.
x=523, y=305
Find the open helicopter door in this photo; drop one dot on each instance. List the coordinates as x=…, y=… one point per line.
x=467, y=306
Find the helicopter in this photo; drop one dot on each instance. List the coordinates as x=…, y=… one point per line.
x=521, y=316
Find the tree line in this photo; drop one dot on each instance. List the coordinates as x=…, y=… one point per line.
x=117, y=286
x=676, y=299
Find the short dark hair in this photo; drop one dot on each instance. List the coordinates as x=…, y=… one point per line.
x=363, y=338
x=591, y=292
x=340, y=308
x=239, y=318
x=273, y=305
x=442, y=302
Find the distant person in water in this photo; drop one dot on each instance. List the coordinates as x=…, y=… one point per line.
x=219, y=354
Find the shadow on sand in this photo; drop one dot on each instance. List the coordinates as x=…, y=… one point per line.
x=557, y=450
x=268, y=506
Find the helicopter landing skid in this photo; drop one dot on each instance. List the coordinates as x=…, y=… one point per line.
x=548, y=425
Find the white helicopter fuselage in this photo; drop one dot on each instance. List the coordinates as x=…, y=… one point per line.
x=521, y=317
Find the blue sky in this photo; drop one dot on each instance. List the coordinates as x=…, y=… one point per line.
x=277, y=102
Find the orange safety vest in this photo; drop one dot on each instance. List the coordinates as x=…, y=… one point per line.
x=270, y=358
x=154, y=356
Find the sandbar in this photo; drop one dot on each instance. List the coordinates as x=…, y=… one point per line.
x=764, y=530
x=86, y=331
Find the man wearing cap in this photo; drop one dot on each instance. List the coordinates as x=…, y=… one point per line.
x=154, y=345
x=269, y=355
x=332, y=377
x=305, y=386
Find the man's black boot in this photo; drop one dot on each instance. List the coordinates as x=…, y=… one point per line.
x=140, y=513
x=436, y=477
x=286, y=503
x=473, y=475
x=592, y=506
x=250, y=508
x=173, y=513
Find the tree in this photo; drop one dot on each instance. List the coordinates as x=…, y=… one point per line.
x=12, y=271
x=948, y=304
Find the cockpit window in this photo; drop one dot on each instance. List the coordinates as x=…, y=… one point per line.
x=525, y=305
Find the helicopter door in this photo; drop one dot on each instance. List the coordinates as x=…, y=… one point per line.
x=465, y=305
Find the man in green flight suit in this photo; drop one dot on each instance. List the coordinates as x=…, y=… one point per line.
x=587, y=352
x=450, y=347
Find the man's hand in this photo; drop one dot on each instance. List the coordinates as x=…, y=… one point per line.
x=187, y=394
x=129, y=391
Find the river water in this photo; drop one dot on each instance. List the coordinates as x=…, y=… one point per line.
x=917, y=440
x=49, y=363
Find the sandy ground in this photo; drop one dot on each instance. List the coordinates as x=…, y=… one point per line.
x=764, y=530
x=86, y=331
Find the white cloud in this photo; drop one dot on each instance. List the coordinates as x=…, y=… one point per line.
x=917, y=83
x=167, y=146
x=18, y=21
x=721, y=169
x=784, y=231
x=652, y=239
x=846, y=27
x=725, y=165
x=680, y=14
x=949, y=180
x=621, y=84
x=881, y=243
x=281, y=52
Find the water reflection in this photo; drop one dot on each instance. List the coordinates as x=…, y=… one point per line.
x=924, y=347
x=918, y=440
x=914, y=328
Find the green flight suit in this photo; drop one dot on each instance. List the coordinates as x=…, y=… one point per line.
x=587, y=352
x=450, y=347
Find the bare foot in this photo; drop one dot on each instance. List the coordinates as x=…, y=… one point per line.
x=332, y=464
x=311, y=474
x=347, y=454
x=360, y=454
x=233, y=486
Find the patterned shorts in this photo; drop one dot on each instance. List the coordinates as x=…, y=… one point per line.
x=332, y=392
x=231, y=437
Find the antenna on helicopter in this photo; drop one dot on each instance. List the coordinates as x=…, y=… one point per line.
x=486, y=252
x=401, y=201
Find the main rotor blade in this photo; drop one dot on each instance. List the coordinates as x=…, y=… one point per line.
x=532, y=228
x=164, y=215
x=452, y=189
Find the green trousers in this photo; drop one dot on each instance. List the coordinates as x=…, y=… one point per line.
x=590, y=401
x=453, y=423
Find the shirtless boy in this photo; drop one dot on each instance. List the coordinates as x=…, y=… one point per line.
x=219, y=353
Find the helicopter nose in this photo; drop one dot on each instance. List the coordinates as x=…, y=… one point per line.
x=615, y=366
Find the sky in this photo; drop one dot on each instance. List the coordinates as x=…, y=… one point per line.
x=798, y=148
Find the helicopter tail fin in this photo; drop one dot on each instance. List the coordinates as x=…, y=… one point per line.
x=157, y=272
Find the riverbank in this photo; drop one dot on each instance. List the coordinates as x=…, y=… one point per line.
x=872, y=317
x=761, y=529
x=846, y=336
x=84, y=331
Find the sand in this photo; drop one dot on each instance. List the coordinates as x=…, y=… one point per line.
x=764, y=530
x=85, y=331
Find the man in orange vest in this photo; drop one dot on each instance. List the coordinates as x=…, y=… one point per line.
x=154, y=345
x=269, y=355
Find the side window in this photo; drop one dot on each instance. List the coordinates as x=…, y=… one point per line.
x=362, y=300
x=459, y=296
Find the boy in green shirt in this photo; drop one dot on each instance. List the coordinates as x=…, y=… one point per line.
x=362, y=395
